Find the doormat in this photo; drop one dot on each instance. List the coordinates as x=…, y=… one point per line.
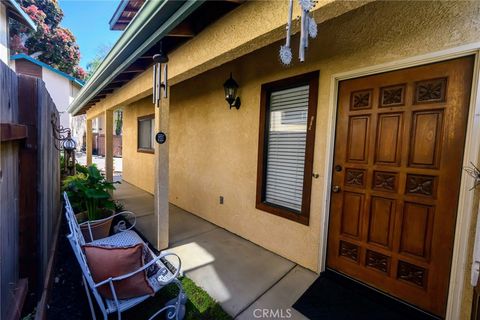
x=333, y=296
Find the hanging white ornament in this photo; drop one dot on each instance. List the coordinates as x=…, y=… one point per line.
x=305, y=30
x=312, y=27
x=306, y=5
x=285, y=55
x=303, y=36
x=285, y=51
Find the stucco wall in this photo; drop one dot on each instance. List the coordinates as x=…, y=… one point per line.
x=138, y=167
x=3, y=34
x=213, y=150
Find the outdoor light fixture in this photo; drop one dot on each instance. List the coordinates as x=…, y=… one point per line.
x=68, y=145
x=231, y=86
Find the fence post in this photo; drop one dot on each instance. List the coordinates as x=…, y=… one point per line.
x=27, y=115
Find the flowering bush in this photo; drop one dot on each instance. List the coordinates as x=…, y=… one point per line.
x=52, y=44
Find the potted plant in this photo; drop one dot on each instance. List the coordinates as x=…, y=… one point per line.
x=88, y=192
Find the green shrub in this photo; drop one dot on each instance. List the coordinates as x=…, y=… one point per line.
x=88, y=190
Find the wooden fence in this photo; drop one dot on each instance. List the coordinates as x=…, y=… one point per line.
x=98, y=144
x=9, y=218
x=29, y=188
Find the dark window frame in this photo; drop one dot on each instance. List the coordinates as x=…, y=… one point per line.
x=311, y=79
x=139, y=119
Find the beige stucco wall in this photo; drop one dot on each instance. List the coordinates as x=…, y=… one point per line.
x=3, y=34
x=138, y=167
x=213, y=150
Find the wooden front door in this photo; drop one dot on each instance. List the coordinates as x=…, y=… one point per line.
x=395, y=179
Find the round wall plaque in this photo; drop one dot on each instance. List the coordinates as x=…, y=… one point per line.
x=160, y=137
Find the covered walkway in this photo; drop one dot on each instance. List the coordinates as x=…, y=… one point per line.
x=243, y=277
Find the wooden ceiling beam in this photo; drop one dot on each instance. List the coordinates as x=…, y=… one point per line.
x=137, y=67
x=184, y=29
x=106, y=91
x=123, y=77
x=114, y=85
x=131, y=8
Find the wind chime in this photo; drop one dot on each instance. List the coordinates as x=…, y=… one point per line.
x=308, y=28
x=159, y=83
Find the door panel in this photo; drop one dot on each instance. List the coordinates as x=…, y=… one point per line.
x=399, y=144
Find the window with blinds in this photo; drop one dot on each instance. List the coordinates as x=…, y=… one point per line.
x=146, y=126
x=287, y=136
x=287, y=133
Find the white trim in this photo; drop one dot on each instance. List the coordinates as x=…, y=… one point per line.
x=471, y=154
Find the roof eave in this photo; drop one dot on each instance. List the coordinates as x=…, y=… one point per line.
x=118, y=13
x=126, y=50
x=17, y=13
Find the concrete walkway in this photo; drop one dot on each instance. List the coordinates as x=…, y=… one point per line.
x=248, y=281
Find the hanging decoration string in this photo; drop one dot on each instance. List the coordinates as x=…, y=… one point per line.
x=286, y=51
x=308, y=28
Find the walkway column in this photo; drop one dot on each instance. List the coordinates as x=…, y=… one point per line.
x=161, y=174
x=89, y=141
x=109, y=144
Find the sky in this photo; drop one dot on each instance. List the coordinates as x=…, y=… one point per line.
x=88, y=20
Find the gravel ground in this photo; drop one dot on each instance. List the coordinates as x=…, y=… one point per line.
x=67, y=299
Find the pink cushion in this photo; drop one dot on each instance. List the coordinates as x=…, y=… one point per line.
x=106, y=262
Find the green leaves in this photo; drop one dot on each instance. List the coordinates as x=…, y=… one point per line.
x=89, y=190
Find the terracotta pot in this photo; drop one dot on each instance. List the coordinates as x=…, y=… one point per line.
x=99, y=229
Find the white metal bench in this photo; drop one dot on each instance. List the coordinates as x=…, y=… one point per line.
x=175, y=309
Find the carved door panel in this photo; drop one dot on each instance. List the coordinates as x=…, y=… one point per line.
x=395, y=184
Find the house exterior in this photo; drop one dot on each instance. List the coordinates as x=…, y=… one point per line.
x=98, y=134
x=351, y=160
x=11, y=9
x=62, y=87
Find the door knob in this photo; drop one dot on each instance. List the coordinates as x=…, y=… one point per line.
x=336, y=189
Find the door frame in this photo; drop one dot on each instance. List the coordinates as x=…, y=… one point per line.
x=466, y=203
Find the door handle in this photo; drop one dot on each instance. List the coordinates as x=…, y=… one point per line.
x=336, y=189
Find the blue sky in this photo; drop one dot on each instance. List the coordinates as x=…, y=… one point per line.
x=88, y=20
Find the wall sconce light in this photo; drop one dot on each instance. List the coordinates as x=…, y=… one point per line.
x=230, y=86
x=68, y=145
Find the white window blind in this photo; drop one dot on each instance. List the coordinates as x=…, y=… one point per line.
x=287, y=135
x=145, y=133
